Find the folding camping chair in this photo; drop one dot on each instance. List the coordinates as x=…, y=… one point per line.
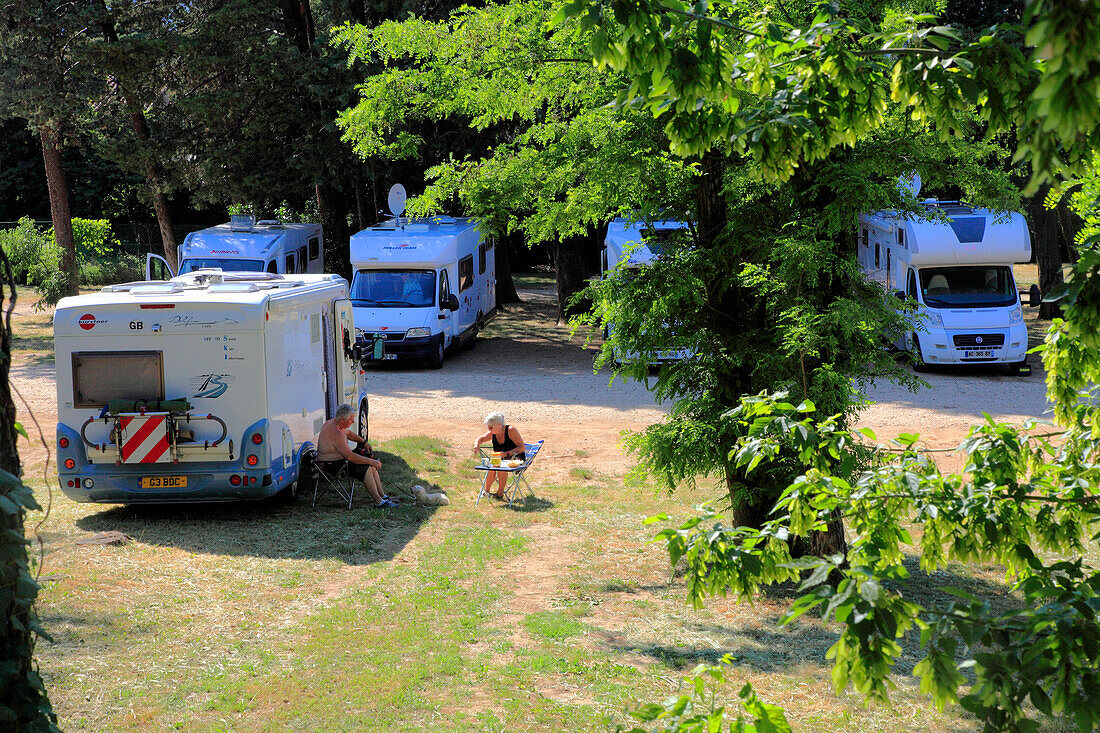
x=512, y=487
x=333, y=477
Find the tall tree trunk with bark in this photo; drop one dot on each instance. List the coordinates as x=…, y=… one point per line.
x=569, y=271
x=506, y=286
x=334, y=219
x=59, y=208
x=153, y=173
x=1046, y=244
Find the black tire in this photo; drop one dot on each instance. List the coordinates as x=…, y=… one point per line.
x=1020, y=368
x=288, y=495
x=363, y=425
x=919, y=364
x=306, y=474
x=435, y=361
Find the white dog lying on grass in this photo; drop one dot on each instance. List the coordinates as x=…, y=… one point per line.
x=425, y=499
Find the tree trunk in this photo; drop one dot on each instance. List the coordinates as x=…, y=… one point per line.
x=59, y=209
x=337, y=237
x=710, y=203
x=506, y=286
x=1045, y=243
x=569, y=271
x=361, y=215
x=9, y=455
x=152, y=170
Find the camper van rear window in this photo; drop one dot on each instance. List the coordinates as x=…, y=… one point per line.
x=100, y=376
x=970, y=229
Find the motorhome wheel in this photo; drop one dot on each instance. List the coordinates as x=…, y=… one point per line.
x=435, y=361
x=1020, y=368
x=920, y=365
x=364, y=423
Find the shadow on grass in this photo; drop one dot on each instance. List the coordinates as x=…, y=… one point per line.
x=274, y=529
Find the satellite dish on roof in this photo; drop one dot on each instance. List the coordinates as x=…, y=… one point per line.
x=397, y=199
x=909, y=182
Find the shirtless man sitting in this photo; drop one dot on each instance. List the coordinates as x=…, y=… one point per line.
x=332, y=448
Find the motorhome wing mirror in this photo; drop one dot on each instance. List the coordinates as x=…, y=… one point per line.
x=899, y=294
x=1034, y=297
x=452, y=302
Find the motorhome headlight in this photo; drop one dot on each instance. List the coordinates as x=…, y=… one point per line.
x=416, y=333
x=934, y=319
x=1017, y=316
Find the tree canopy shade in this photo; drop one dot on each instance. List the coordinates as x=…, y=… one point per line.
x=825, y=83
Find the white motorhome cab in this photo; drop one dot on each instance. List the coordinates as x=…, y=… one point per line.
x=635, y=245
x=211, y=386
x=246, y=245
x=422, y=286
x=959, y=271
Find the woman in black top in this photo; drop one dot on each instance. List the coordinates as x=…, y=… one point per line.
x=506, y=441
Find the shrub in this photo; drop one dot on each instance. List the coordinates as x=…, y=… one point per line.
x=93, y=238
x=123, y=267
x=25, y=245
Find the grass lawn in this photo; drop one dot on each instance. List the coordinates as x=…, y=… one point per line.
x=558, y=616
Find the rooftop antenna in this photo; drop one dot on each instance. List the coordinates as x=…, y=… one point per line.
x=397, y=199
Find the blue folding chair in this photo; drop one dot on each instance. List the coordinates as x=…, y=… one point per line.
x=512, y=487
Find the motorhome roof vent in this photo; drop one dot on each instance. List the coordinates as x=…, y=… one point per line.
x=270, y=223
x=163, y=288
x=233, y=288
x=444, y=220
x=242, y=223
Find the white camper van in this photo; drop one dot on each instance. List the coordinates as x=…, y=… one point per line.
x=959, y=271
x=635, y=245
x=245, y=244
x=210, y=386
x=421, y=286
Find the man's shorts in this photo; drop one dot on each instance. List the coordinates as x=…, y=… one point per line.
x=357, y=471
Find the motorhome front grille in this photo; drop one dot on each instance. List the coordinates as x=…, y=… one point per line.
x=388, y=337
x=978, y=340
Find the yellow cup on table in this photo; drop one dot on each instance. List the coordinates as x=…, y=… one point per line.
x=495, y=458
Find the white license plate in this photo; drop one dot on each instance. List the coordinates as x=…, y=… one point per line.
x=983, y=354
x=387, y=357
x=164, y=482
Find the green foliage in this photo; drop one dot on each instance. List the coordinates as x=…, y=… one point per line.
x=1022, y=501
x=94, y=238
x=695, y=711
x=816, y=86
x=24, y=705
x=559, y=161
x=24, y=245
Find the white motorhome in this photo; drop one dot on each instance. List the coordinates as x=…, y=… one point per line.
x=421, y=286
x=246, y=245
x=635, y=245
x=956, y=263
x=210, y=386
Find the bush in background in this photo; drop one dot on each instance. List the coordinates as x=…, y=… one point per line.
x=24, y=245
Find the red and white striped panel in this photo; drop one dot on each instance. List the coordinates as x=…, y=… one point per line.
x=145, y=438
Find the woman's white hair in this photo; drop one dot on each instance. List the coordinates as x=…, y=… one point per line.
x=494, y=417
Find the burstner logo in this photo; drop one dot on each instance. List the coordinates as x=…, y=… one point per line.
x=86, y=321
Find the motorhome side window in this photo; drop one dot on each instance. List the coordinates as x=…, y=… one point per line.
x=314, y=248
x=444, y=288
x=481, y=258
x=100, y=376
x=876, y=255
x=465, y=272
x=301, y=259
x=901, y=238
x=290, y=264
x=273, y=266
x=866, y=237
x=911, y=284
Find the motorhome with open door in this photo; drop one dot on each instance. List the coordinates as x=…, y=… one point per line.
x=246, y=245
x=955, y=262
x=210, y=386
x=635, y=245
x=421, y=286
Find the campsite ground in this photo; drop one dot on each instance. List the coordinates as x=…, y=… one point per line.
x=556, y=616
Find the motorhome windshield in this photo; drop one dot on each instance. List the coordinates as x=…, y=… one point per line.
x=393, y=288
x=190, y=265
x=982, y=286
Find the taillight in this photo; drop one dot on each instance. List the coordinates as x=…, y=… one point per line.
x=70, y=463
x=235, y=480
x=63, y=443
x=257, y=438
x=72, y=484
x=253, y=460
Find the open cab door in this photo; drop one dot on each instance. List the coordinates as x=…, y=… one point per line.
x=157, y=268
x=347, y=365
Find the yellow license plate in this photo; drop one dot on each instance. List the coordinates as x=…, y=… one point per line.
x=163, y=482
